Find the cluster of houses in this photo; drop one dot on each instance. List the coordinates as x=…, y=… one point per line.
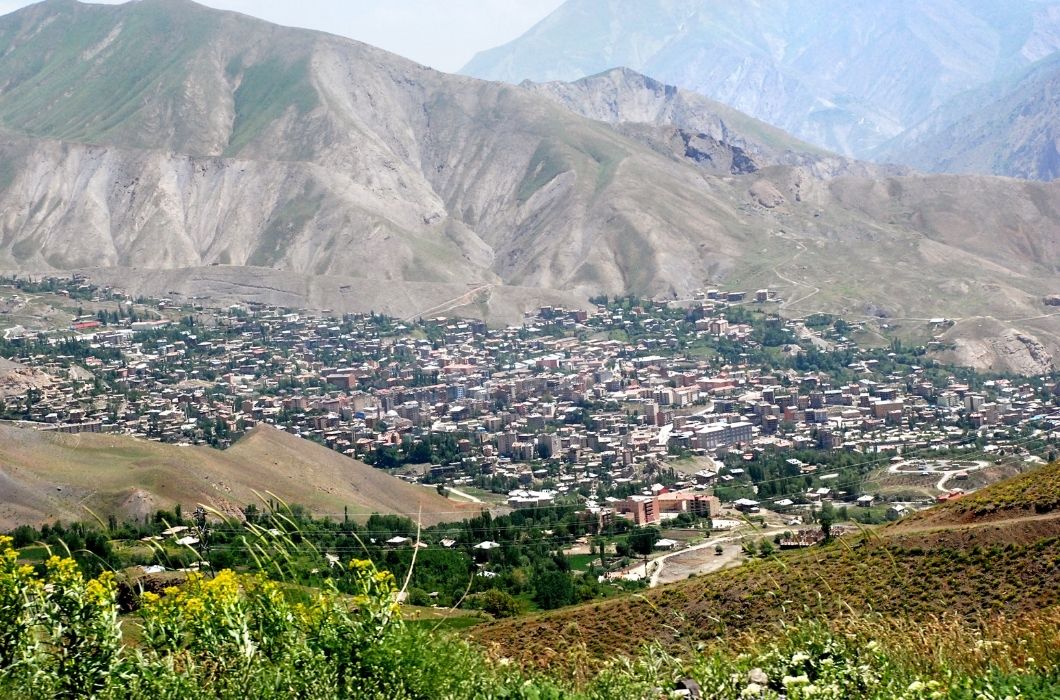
x=549, y=406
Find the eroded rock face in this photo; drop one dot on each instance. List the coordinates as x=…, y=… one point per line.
x=766, y=194
x=1010, y=351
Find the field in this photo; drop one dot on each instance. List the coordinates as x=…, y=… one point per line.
x=49, y=476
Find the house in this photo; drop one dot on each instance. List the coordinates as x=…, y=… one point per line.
x=666, y=544
x=746, y=505
x=487, y=545
x=897, y=510
x=865, y=501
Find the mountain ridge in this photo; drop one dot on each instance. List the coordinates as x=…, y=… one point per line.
x=1008, y=127
x=338, y=165
x=846, y=76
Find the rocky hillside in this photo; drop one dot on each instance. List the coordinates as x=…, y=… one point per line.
x=845, y=75
x=1010, y=127
x=701, y=131
x=168, y=147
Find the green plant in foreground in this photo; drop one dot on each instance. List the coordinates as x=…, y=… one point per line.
x=246, y=636
x=227, y=636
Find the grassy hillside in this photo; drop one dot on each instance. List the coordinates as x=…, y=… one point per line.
x=974, y=570
x=1035, y=493
x=49, y=476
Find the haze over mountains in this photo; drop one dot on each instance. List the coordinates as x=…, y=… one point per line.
x=1009, y=127
x=848, y=75
x=164, y=146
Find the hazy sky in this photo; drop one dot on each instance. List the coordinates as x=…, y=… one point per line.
x=443, y=34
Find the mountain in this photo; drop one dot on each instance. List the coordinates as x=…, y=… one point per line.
x=164, y=119
x=165, y=147
x=997, y=552
x=687, y=125
x=847, y=75
x=623, y=96
x=51, y=476
x=1010, y=127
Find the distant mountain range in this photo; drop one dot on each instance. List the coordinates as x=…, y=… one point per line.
x=1009, y=127
x=166, y=147
x=847, y=75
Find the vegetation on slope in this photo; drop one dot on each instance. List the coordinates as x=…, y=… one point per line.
x=247, y=636
x=50, y=476
x=1036, y=491
x=972, y=570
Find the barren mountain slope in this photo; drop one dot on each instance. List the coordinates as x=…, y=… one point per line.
x=166, y=136
x=50, y=476
x=1011, y=127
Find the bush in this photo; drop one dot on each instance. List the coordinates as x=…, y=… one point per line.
x=495, y=602
x=230, y=636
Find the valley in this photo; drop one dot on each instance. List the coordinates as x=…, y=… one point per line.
x=673, y=349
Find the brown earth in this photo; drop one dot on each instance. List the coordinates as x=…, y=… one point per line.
x=50, y=476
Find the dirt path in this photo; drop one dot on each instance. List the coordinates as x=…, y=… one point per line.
x=905, y=528
x=465, y=298
x=462, y=494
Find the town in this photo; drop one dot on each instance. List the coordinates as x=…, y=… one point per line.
x=638, y=409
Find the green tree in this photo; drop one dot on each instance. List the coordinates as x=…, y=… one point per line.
x=495, y=602
x=643, y=540
x=826, y=517
x=552, y=589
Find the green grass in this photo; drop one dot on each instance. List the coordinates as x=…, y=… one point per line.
x=33, y=553
x=454, y=623
x=267, y=90
x=548, y=161
x=55, y=92
x=580, y=562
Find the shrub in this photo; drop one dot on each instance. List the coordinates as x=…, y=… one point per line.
x=229, y=636
x=495, y=602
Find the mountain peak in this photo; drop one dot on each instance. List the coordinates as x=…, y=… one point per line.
x=844, y=74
